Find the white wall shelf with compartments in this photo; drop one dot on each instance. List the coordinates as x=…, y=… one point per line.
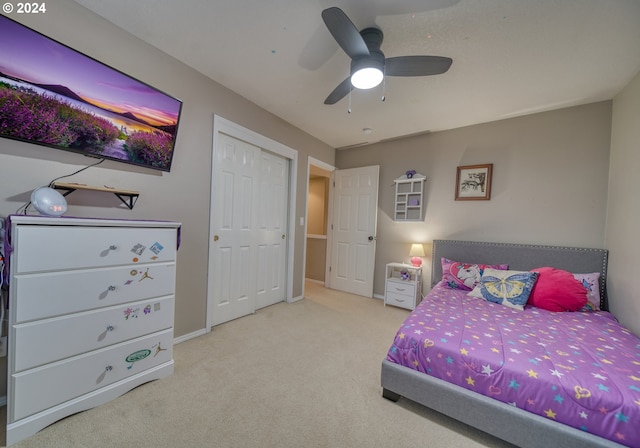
x=403, y=285
x=409, y=199
x=90, y=317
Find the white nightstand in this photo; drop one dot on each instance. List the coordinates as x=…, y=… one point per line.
x=400, y=292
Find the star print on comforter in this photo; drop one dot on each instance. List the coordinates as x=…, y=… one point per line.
x=577, y=368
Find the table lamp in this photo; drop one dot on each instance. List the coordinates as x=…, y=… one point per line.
x=417, y=251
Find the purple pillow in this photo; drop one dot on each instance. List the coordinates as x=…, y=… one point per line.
x=465, y=276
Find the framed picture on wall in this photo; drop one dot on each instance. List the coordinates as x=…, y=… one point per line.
x=473, y=182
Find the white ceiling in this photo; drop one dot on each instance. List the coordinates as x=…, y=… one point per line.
x=510, y=57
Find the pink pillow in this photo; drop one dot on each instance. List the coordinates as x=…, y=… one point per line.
x=465, y=276
x=557, y=290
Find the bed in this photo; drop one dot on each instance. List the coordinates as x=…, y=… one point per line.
x=532, y=377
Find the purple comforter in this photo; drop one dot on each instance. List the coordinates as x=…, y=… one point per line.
x=581, y=369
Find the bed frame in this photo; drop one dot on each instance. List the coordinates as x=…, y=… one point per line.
x=499, y=419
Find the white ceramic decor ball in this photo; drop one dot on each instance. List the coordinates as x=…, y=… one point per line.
x=48, y=201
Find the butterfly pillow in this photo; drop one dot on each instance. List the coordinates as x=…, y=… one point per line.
x=505, y=287
x=464, y=276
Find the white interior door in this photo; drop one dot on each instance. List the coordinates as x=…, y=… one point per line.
x=353, y=242
x=273, y=199
x=236, y=189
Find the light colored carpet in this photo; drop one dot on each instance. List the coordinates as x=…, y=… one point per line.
x=291, y=375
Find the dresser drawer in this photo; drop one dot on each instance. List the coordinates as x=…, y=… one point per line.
x=53, y=248
x=45, y=341
x=44, y=387
x=401, y=287
x=51, y=294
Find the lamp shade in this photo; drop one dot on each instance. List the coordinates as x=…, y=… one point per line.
x=417, y=251
x=48, y=201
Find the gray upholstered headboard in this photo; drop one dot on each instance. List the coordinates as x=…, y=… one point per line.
x=522, y=257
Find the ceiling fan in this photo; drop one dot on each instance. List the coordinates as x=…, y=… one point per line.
x=368, y=64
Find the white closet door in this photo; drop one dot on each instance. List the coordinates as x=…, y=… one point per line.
x=272, y=230
x=236, y=188
x=249, y=229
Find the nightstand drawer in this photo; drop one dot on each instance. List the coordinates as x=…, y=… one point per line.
x=401, y=287
x=401, y=300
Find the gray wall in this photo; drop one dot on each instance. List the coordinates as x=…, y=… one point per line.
x=623, y=215
x=550, y=174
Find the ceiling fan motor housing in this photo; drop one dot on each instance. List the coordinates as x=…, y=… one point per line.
x=374, y=60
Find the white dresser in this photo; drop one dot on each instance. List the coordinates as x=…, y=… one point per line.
x=91, y=311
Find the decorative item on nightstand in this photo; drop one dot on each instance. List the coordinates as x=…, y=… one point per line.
x=417, y=251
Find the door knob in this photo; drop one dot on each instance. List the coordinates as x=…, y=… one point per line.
x=283, y=236
x=216, y=237
x=371, y=238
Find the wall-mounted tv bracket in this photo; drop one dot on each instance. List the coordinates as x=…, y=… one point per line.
x=128, y=197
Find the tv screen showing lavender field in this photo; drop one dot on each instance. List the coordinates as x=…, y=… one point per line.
x=54, y=96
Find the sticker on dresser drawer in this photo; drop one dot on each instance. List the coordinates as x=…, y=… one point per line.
x=48, y=294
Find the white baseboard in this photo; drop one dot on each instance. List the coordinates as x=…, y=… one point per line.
x=313, y=280
x=186, y=337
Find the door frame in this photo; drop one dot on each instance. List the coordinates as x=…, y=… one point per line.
x=325, y=166
x=224, y=126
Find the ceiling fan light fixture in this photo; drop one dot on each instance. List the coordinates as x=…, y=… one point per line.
x=368, y=71
x=367, y=78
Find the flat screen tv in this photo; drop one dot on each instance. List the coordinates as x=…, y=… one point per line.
x=54, y=96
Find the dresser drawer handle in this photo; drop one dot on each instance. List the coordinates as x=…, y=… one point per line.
x=105, y=252
x=400, y=289
x=399, y=300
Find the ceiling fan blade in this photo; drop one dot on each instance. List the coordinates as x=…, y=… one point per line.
x=344, y=32
x=416, y=65
x=339, y=92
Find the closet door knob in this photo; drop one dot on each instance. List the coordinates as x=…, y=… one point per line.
x=111, y=288
x=108, y=369
x=113, y=247
x=110, y=328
